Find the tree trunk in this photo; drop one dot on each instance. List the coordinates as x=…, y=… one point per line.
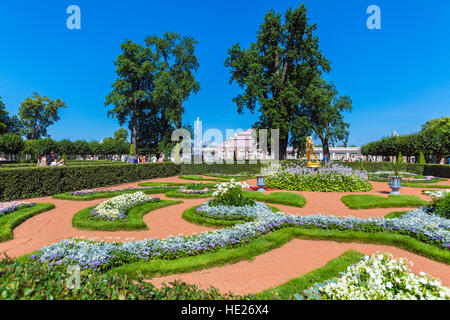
x=282, y=149
x=134, y=127
x=325, y=149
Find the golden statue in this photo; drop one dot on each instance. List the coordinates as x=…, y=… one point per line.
x=310, y=153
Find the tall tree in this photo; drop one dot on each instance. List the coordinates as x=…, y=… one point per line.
x=37, y=114
x=322, y=111
x=175, y=80
x=132, y=89
x=121, y=135
x=276, y=70
x=8, y=124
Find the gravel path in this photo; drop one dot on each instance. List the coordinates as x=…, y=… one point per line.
x=298, y=256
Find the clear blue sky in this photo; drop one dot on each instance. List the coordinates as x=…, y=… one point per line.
x=398, y=77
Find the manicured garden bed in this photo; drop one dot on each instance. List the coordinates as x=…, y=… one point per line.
x=333, y=178
x=11, y=220
x=87, y=195
x=82, y=219
x=365, y=201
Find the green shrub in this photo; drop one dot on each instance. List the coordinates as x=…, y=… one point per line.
x=36, y=182
x=422, y=158
x=29, y=281
x=441, y=206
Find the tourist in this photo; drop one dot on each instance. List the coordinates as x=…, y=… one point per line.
x=42, y=160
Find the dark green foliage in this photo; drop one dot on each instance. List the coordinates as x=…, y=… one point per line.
x=30, y=281
x=13, y=219
x=223, y=168
x=34, y=182
x=441, y=206
x=275, y=71
x=11, y=143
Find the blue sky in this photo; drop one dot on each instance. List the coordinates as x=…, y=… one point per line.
x=398, y=77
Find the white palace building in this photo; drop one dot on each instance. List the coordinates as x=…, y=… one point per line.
x=244, y=145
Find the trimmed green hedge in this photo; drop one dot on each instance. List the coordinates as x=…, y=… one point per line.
x=36, y=182
x=22, y=183
x=224, y=168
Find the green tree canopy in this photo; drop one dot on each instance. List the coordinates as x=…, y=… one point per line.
x=11, y=143
x=276, y=70
x=37, y=114
x=8, y=123
x=121, y=135
x=131, y=92
x=322, y=112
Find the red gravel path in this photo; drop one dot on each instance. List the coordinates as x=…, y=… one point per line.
x=265, y=271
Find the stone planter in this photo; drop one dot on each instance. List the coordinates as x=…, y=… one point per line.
x=395, y=184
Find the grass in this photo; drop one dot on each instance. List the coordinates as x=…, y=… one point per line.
x=9, y=221
x=297, y=285
x=180, y=195
x=424, y=185
x=395, y=214
x=174, y=184
x=357, y=201
x=201, y=178
x=284, y=198
x=134, y=218
x=107, y=194
x=272, y=241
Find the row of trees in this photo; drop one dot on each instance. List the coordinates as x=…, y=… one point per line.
x=36, y=114
x=13, y=144
x=280, y=74
x=433, y=140
x=153, y=82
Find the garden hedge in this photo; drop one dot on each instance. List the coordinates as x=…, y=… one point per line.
x=22, y=183
x=36, y=182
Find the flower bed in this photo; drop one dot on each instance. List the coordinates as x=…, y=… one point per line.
x=436, y=193
x=246, y=213
x=87, y=254
x=8, y=207
x=332, y=178
x=379, y=277
x=231, y=194
x=117, y=208
x=85, y=192
x=194, y=188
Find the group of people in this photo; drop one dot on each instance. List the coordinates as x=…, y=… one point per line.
x=142, y=159
x=50, y=160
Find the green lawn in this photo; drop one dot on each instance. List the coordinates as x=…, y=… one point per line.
x=285, y=198
x=297, y=285
x=11, y=220
x=395, y=214
x=202, y=178
x=180, y=195
x=174, y=184
x=134, y=218
x=424, y=185
x=357, y=201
